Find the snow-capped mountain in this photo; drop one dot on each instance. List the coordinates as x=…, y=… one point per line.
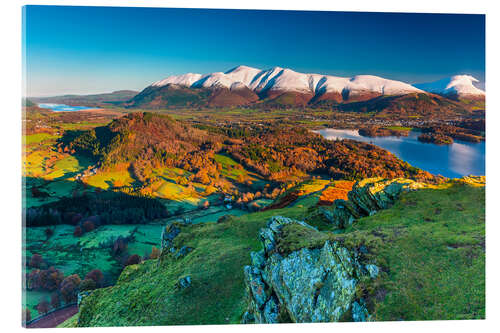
x=458, y=85
x=286, y=80
x=245, y=85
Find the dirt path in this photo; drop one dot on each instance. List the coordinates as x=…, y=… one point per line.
x=55, y=318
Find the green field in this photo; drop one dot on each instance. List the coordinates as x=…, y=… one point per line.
x=73, y=255
x=236, y=172
x=39, y=138
x=108, y=179
x=399, y=128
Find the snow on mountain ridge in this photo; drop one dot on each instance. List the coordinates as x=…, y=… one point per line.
x=214, y=80
x=380, y=85
x=461, y=85
x=183, y=80
x=243, y=74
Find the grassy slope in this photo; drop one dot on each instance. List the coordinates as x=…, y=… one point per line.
x=432, y=246
x=51, y=171
x=69, y=323
x=106, y=179
x=429, y=244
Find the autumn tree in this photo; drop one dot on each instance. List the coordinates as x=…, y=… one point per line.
x=95, y=275
x=50, y=279
x=155, y=253
x=55, y=300
x=36, y=261
x=69, y=288
x=119, y=246
x=43, y=307
x=202, y=177
x=88, y=226
x=78, y=232
x=88, y=284
x=117, y=183
x=240, y=178
x=133, y=260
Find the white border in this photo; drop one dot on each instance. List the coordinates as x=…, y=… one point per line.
x=10, y=80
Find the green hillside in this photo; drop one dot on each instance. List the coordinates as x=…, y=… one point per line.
x=429, y=246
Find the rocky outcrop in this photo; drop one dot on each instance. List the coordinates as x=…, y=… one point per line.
x=184, y=282
x=471, y=180
x=308, y=285
x=167, y=236
x=167, y=240
x=366, y=198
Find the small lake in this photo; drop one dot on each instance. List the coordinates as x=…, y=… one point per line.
x=63, y=107
x=455, y=160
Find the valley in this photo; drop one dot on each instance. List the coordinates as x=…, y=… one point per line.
x=121, y=197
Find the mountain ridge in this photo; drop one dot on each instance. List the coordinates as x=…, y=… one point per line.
x=278, y=78
x=244, y=85
x=88, y=100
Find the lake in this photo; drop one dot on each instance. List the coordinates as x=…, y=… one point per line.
x=63, y=107
x=455, y=160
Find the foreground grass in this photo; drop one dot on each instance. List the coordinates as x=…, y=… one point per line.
x=69, y=323
x=432, y=246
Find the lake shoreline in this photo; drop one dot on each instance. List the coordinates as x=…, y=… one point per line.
x=55, y=107
x=461, y=158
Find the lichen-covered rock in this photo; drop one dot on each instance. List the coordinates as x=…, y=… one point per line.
x=343, y=213
x=359, y=312
x=167, y=236
x=183, y=251
x=257, y=287
x=308, y=285
x=366, y=198
x=372, y=270
x=184, y=282
x=267, y=235
x=258, y=259
x=271, y=311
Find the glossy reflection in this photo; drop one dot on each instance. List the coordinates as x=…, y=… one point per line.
x=455, y=160
x=63, y=107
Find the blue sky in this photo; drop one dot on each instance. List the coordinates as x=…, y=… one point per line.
x=101, y=49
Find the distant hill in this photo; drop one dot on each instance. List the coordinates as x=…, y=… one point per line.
x=174, y=96
x=141, y=139
x=27, y=103
x=88, y=100
x=405, y=105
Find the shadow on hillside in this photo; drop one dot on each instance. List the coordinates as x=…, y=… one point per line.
x=77, y=201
